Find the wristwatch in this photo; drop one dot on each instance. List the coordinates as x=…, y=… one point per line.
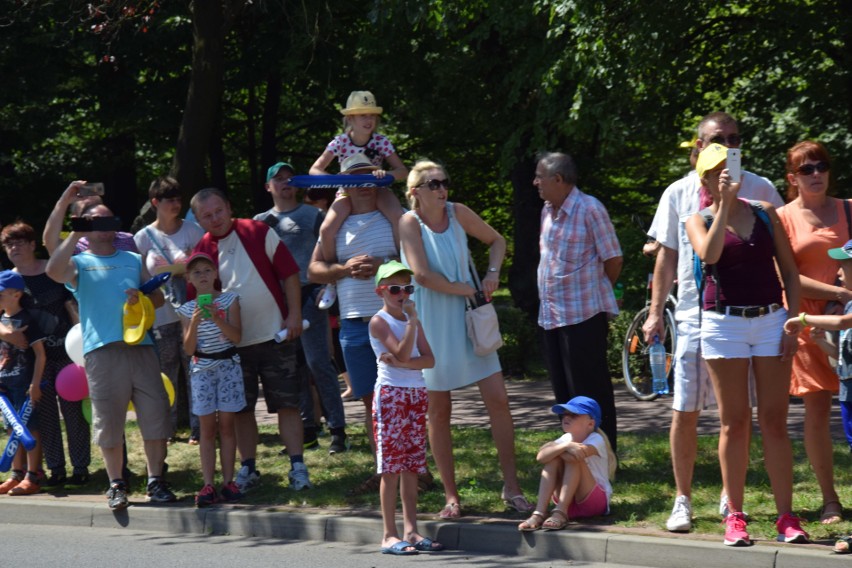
x=492, y=269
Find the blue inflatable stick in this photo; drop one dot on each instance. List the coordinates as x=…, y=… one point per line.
x=14, y=422
x=340, y=180
x=14, y=442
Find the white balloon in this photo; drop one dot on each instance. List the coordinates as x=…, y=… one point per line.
x=74, y=345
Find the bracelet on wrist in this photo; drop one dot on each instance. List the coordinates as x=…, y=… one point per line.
x=802, y=319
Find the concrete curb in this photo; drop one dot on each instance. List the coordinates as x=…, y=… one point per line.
x=500, y=538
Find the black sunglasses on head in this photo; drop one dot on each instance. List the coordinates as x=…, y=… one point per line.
x=809, y=169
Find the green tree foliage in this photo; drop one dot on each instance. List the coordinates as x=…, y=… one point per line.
x=124, y=90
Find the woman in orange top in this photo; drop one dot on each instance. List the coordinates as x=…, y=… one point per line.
x=815, y=222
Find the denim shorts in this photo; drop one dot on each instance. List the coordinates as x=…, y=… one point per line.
x=359, y=356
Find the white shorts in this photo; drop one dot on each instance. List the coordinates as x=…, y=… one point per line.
x=693, y=390
x=733, y=337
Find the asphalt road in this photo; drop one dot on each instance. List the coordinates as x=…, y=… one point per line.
x=107, y=548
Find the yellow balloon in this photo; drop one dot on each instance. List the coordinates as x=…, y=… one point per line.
x=170, y=390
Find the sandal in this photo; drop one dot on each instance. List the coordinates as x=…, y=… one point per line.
x=554, y=523
x=533, y=523
x=450, y=511
x=843, y=545
x=832, y=512
x=518, y=503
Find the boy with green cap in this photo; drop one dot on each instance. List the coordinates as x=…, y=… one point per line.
x=400, y=401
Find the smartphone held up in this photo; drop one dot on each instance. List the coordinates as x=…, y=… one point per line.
x=91, y=189
x=734, y=165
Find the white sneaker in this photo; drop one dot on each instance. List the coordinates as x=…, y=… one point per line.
x=681, y=518
x=299, y=477
x=246, y=480
x=328, y=296
x=723, y=508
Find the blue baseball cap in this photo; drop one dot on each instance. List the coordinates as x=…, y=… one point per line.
x=580, y=405
x=11, y=281
x=273, y=170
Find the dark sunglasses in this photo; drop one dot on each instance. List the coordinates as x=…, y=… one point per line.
x=809, y=169
x=436, y=184
x=731, y=141
x=395, y=289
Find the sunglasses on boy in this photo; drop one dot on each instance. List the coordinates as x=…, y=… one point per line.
x=809, y=169
x=436, y=184
x=395, y=289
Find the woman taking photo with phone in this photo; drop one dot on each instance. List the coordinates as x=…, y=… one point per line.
x=434, y=245
x=743, y=325
x=816, y=222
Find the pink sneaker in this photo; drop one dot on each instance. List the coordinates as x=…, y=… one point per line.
x=735, y=530
x=789, y=529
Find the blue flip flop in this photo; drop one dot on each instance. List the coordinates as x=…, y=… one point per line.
x=426, y=544
x=398, y=549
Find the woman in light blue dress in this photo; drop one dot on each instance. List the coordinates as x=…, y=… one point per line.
x=434, y=245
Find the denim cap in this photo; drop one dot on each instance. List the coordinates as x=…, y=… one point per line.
x=580, y=405
x=11, y=281
x=842, y=253
x=390, y=268
x=273, y=170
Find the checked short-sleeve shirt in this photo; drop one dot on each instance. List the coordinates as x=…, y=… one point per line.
x=572, y=284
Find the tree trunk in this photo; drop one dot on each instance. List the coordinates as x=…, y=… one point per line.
x=203, y=96
x=268, y=137
x=527, y=213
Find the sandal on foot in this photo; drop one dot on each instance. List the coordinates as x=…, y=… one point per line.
x=843, y=545
x=450, y=511
x=426, y=544
x=518, y=503
x=401, y=548
x=533, y=523
x=554, y=523
x=832, y=512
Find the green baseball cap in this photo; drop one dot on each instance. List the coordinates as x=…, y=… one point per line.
x=273, y=170
x=390, y=268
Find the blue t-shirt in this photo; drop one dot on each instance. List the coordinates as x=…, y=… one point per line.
x=299, y=229
x=101, y=282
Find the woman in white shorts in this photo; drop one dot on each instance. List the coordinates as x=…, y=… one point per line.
x=742, y=321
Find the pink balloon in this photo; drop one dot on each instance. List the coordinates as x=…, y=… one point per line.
x=71, y=383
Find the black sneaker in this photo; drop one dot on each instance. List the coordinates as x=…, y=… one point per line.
x=159, y=492
x=117, y=496
x=231, y=493
x=206, y=497
x=339, y=444
x=56, y=479
x=77, y=480
x=310, y=439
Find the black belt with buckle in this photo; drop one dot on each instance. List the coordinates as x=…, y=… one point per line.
x=365, y=319
x=218, y=355
x=748, y=311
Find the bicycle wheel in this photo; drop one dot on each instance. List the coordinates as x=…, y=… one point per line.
x=634, y=356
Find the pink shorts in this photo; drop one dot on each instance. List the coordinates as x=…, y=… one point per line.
x=399, y=429
x=593, y=505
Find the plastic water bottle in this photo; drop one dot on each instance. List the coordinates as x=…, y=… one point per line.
x=657, y=355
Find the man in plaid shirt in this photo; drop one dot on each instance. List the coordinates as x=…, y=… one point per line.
x=580, y=261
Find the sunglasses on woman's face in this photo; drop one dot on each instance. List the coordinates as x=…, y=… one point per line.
x=395, y=289
x=809, y=169
x=436, y=184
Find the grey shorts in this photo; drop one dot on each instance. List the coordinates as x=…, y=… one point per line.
x=219, y=387
x=275, y=364
x=118, y=374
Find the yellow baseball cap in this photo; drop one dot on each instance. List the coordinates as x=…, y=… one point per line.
x=710, y=157
x=138, y=319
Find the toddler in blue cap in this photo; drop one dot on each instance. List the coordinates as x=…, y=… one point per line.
x=577, y=468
